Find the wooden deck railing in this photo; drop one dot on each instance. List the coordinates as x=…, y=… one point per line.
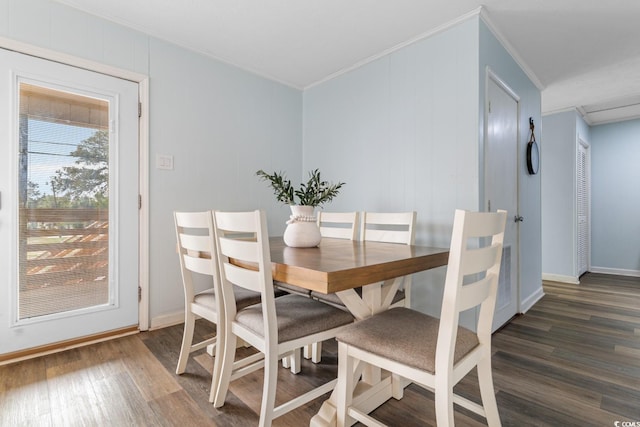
x=63, y=246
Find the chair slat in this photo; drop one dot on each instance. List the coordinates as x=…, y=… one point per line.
x=247, y=279
x=473, y=294
x=477, y=260
x=336, y=232
x=390, y=227
x=240, y=222
x=239, y=249
x=195, y=243
x=198, y=265
x=389, y=218
x=482, y=224
x=388, y=236
x=338, y=225
x=192, y=219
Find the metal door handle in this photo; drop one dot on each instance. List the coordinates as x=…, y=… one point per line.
x=518, y=218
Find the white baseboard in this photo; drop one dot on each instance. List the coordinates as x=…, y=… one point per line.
x=528, y=302
x=165, y=320
x=616, y=271
x=560, y=278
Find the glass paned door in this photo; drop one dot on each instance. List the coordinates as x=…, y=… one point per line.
x=63, y=188
x=68, y=203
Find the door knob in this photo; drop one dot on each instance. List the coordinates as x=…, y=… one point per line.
x=518, y=218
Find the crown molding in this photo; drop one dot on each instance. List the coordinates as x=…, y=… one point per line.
x=509, y=48
x=481, y=12
x=561, y=110
x=399, y=46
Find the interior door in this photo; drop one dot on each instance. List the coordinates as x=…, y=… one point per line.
x=501, y=188
x=69, y=203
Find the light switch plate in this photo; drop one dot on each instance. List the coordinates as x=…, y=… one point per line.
x=164, y=161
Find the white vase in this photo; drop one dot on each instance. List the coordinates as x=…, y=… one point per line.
x=302, y=229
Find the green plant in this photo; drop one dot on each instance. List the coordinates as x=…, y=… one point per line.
x=315, y=192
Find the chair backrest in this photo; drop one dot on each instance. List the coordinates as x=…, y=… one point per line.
x=472, y=277
x=390, y=227
x=338, y=225
x=196, y=249
x=244, y=260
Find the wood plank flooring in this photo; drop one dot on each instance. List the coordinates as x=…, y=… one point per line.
x=572, y=360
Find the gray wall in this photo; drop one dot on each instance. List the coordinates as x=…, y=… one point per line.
x=402, y=132
x=405, y=133
x=615, y=194
x=615, y=198
x=557, y=164
x=560, y=136
x=220, y=123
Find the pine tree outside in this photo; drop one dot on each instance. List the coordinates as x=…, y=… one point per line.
x=64, y=202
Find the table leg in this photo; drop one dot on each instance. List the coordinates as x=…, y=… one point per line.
x=376, y=386
x=366, y=397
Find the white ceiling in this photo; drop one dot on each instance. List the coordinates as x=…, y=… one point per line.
x=581, y=53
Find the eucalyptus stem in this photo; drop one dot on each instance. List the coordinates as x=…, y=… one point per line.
x=315, y=192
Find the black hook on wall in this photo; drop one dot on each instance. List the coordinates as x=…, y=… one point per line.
x=533, y=156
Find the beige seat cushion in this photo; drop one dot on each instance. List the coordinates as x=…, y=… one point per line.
x=244, y=298
x=206, y=298
x=406, y=336
x=297, y=317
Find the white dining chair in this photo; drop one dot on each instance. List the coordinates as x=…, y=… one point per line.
x=392, y=227
x=387, y=227
x=339, y=225
x=197, y=253
x=335, y=225
x=276, y=326
x=434, y=353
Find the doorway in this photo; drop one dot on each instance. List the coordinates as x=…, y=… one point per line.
x=69, y=215
x=501, y=186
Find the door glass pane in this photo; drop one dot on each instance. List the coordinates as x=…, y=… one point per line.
x=63, y=201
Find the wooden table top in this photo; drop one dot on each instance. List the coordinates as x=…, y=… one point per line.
x=338, y=264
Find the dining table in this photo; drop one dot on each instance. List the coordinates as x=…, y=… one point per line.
x=340, y=266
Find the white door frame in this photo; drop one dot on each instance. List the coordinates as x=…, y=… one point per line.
x=491, y=76
x=143, y=139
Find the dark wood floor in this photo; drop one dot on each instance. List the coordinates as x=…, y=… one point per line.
x=572, y=360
